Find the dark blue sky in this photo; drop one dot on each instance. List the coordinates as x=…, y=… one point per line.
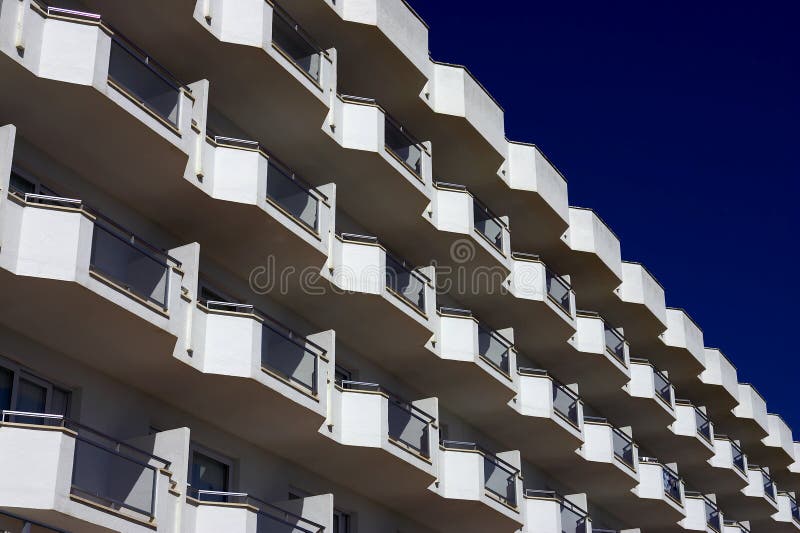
x=678, y=122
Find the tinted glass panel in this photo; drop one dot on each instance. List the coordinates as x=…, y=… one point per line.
x=208, y=474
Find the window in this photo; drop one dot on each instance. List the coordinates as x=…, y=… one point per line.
x=21, y=185
x=342, y=374
x=22, y=391
x=209, y=472
x=211, y=294
x=341, y=522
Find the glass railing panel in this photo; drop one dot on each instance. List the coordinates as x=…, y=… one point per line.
x=488, y=225
x=500, y=479
x=794, y=509
x=623, y=446
x=284, y=189
x=559, y=290
x=573, y=520
x=566, y=403
x=118, y=257
x=288, y=356
x=662, y=385
x=137, y=74
x=403, y=146
x=270, y=518
x=672, y=484
x=494, y=349
x=615, y=344
x=287, y=35
x=769, y=485
x=703, y=425
x=408, y=426
x=405, y=282
x=712, y=516
x=738, y=457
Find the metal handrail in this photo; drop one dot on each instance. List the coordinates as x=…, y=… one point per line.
x=397, y=399
x=231, y=142
x=199, y=493
x=457, y=445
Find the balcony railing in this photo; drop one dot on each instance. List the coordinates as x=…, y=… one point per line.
x=289, y=38
x=285, y=353
x=285, y=189
x=738, y=525
x=559, y=291
x=615, y=343
x=407, y=149
x=663, y=387
x=573, y=518
x=769, y=485
x=405, y=282
x=499, y=476
x=795, y=510
x=408, y=425
x=105, y=470
x=565, y=402
x=623, y=446
x=712, y=515
x=672, y=484
x=488, y=224
x=143, y=78
x=130, y=262
x=494, y=349
x=270, y=517
x=738, y=457
x=704, y=428
x=12, y=523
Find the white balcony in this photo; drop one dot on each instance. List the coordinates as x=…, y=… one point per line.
x=660, y=494
x=702, y=514
x=732, y=526
x=610, y=467
x=396, y=301
x=536, y=197
x=250, y=353
x=777, y=448
x=59, y=255
x=456, y=210
x=679, y=350
x=690, y=443
x=719, y=391
x=594, y=262
x=651, y=407
x=69, y=476
x=486, y=487
x=756, y=502
x=244, y=46
x=597, y=356
x=787, y=519
x=212, y=512
x=639, y=305
x=77, y=58
x=789, y=479
x=728, y=474
x=749, y=420
x=547, y=512
x=382, y=432
x=533, y=295
x=474, y=367
x=552, y=411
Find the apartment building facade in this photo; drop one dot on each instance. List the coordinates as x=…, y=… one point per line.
x=268, y=267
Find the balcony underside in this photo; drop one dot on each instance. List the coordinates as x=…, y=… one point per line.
x=605, y=484
x=536, y=438
x=598, y=378
x=739, y=507
x=717, y=401
x=89, y=133
x=787, y=480
x=467, y=516
x=383, y=327
x=78, y=322
x=545, y=327
x=592, y=280
x=655, y=513
x=771, y=457
x=691, y=455
x=746, y=430
x=683, y=368
x=59, y=519
x=703, y=477
x=647, y=416
x=641, y=326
